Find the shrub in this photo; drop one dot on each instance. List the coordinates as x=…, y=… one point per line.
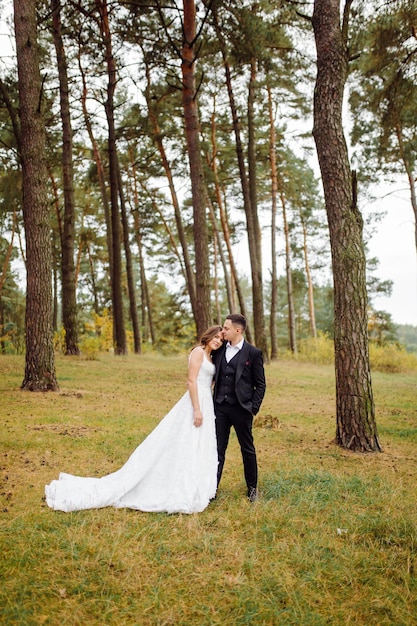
x=392, y=358
x=59, y=340
x=318, y=349
x=90, y=347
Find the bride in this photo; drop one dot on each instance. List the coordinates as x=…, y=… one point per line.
x=174, y=469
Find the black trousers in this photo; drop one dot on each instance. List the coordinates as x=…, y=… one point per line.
x=241, y=420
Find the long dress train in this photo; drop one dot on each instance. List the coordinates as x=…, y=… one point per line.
x=173, y=470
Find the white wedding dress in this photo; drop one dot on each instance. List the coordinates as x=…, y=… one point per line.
x=173, y=470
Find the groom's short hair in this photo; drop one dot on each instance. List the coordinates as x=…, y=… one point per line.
x=237, y=320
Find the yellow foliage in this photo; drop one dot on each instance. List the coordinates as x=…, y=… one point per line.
x=392, y=358
x=317, y=349
x=388, y=358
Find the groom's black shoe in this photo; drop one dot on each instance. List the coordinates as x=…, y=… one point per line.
x=253, y=494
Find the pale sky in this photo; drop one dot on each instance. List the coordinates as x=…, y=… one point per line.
x=395, y=247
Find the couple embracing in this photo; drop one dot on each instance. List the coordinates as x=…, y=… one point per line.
x=178, y=467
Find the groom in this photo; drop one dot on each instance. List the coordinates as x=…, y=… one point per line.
x=238, y=392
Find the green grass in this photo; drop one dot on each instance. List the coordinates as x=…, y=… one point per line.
x=332, y=541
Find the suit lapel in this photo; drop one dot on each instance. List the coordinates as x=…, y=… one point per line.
x=219, y=356
x=242, y=358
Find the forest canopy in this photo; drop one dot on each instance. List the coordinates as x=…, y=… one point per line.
x=254, y=68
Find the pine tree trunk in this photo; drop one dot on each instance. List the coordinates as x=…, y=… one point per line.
x=146, y=308
x=288, y=273
x=93, y=279
x=40, y=362
x=211, y=160
x=244, y=182
x=158, y=139
x=203, y=317
x=8, y=255
x=408, y=165
x=310, y=290
x=99, y=165
x=69, y=300
x=274, y=195
x=120, y=345
x=253, y=226
x=218, y=249
x=2, y=334
x=226, y=235
x=355, y=411
x=134, y=318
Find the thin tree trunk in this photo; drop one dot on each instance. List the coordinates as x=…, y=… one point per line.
x=40, y=361
x=158, y=139
x=410, y=177
x=147, y=313
x=129, y=272
x=257, y=301
x=99, y=165
x=69, y=300
x=212, y=162
x=274, y=194
x=203, y=317
x=218, y=316
x=120, y=346
x=355, y=409
x=171, y=236
x=252, y=221
x=218, y=249
x=312, y=315
x=79, y=249
x=146, y=308
x=93, y=280
x=288, y=273
x=9, y=251
x=2, y=333
x=55, y=288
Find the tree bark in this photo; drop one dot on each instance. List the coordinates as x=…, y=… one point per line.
x=8, y=254
x=245, y=192
x=146, y=308
x=212, y=163
x=158, y=139
x=40, y=362
x=226, y=234
x=274, y=195
x=310, y=289
x=355, y=411
x=203, y=317
x=120, y=345
x=99, y=164
x=253, y=226
x=288, y=273
x=134, y=318
x=69, y=300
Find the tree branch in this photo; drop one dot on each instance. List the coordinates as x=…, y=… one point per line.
x=12, y=112
x=345, y=22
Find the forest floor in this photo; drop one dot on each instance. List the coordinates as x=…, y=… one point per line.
x=332, y=539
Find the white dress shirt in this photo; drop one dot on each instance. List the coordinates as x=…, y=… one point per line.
x=232, y=350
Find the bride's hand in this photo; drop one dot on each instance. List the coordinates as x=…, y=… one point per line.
x=198, y=418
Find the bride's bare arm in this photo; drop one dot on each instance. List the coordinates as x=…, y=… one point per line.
x=194, y=364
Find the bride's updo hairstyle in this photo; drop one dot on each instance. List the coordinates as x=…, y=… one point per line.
x=209, y=334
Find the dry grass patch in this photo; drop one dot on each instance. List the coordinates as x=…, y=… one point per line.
x=333, y=539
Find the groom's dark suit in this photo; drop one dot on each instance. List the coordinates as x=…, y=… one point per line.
x=238, y=393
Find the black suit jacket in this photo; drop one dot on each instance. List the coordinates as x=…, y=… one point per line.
x=250, y=376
